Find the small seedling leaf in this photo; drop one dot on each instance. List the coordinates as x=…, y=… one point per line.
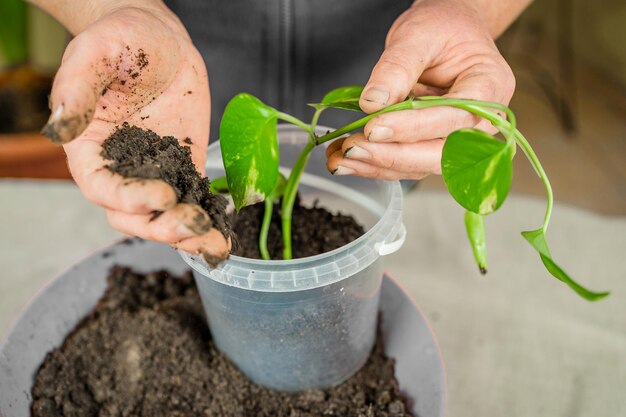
x=346, y=98
x=477, y=170
x=475, y=227
x=219, y=185
x=249, y=149
x=537, y=240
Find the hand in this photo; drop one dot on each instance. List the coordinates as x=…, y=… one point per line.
x=134, y=65
x=437, y=47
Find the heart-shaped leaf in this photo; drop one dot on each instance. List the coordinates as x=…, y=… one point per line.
x=537, y=240
x=249, y=149
x=346, y=98
x=477, y=170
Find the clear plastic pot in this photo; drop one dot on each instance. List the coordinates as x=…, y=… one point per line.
x=308, y=322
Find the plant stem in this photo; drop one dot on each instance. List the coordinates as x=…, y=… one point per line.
x=265, y=228
x=534, y=160
x=315, y=118
x=295, y=121
x=422, y=103
x=506, y=127
x=289, y=198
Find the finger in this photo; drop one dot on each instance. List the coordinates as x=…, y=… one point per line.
x=340, y=166
x=478, y=82
x=110, y=190
x=489, y=79
x=334, y=146
x=418, y=125
x=213, y=246
x=412, y=159
x=421, y=89
x=181, y=222
x=85, y=71
x=395, y=73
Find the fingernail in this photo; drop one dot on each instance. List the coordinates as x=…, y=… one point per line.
x=380, y=133
x=356, y=152
x=61, y=128
x=343, y=171
x=377, y=94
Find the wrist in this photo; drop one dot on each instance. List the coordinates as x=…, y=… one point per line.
x=76, y=16
x=494, y=16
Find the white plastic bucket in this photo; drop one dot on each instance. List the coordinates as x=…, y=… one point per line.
x=308, y=322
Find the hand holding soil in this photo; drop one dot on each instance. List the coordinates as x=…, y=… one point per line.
x=137, y=66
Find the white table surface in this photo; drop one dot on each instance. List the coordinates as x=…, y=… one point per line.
x=515, y=342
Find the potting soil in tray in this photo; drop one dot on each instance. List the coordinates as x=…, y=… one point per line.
x=146, y=350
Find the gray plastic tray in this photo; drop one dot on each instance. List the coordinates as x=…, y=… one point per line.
x=58, y=307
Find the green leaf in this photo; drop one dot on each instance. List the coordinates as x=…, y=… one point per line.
x=346, y=98
x=13, y=40
x=249, y=149
x=537, y=240
x=475, y=227
x=477, y=170
x=218, y=185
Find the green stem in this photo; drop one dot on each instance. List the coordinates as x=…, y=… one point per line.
x=265, y=228
x=295, y=121
x=423, y=103
x=316, y=117
x=289, y=198
x=506, y=127
x=534, y=160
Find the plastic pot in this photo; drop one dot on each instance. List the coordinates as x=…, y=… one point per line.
x=309, y=322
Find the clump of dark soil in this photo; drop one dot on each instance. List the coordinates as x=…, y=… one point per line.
x=146, y=351
x=139, y=153
x=314, y=230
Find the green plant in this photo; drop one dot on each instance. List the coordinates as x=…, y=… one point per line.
x=13, y=40
x=476, y=166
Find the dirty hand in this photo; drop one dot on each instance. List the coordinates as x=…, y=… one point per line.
x=137, y=65
x=437, y=47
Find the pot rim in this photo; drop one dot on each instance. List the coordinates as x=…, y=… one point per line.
x=368, y=247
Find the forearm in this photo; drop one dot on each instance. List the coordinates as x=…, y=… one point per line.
x=76, y=15
x=497, y=15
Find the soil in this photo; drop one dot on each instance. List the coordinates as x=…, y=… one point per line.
x=315, y=230
x=146, y=351
x=140, y=153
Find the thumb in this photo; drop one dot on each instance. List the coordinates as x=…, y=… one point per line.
x=394, y=76
x=85, y=72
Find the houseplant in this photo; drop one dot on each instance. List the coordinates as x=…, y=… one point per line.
x=476, y=166
x=265, y=303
